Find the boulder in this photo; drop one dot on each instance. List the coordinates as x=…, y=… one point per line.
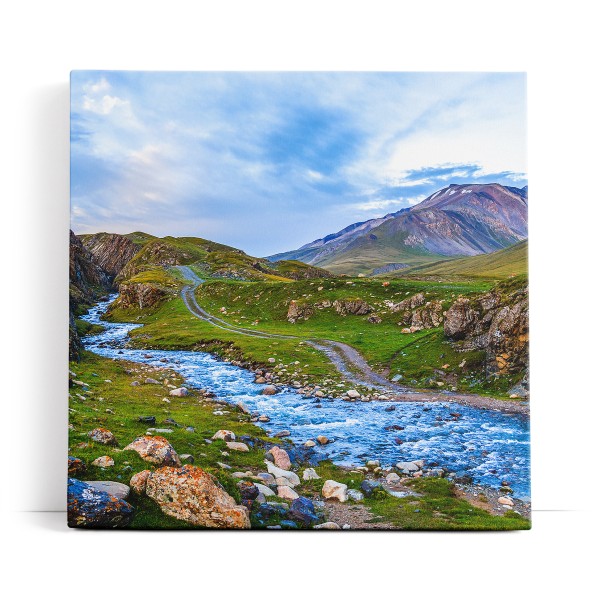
x=151, y=381
x=352, y=307
x=104, y=462
x=277, y=472
x=224, y=434
x=309, y=474
x=280, y=457
x=285, y=491
x=297, y=311
x=407, y=467
x=303, y=511
x=368, y=487
x=156, y=450
x=89, y=507
x=190, y=494
x=179, y=392
x=506, y=501
x=103, y=436
x=355, y=495
x=322, y=439
x=75, y=466
x=138, y=481
x=310, y=444
x=392, y=478
x=269, y=390
x=282, y=434
x=267, y=478
x=238, y=446
x=263, y=489
x=335, y=491
x=353, y=394
x=113, y=488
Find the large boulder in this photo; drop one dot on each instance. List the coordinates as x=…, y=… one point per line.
x=138, y=482
x=113, y=488
x=89, y=507
x=335, y=491
x=156, y=450
x=303, y=511
x=224, y=434
x=192, y=495
x=280, y=457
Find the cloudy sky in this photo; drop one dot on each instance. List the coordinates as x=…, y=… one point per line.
x=267, y=162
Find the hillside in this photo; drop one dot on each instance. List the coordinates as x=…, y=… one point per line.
x=460, y=220
x=509, y=262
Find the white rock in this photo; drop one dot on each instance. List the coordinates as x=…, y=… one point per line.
x=328, y=525
x=352, y=394
x=392, y=478
x=284, y=491
x=224, y=434
x=179, y=392
x=277, y=472
x=407, y=467
x=114, y=488
x=506, y=501
x=310, y=444
x=263, y=489
x=309, y=474
x=335, y=490
x=239, y=446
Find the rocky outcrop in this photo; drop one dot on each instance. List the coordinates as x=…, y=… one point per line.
x=497, y=322
x=409, y=303
x=192, y=495
x=139, y=295
x=89, y=507
x=352, y=307
x=110, y=251
x=297, y=311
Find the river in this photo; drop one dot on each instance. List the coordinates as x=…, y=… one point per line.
x=487, y=445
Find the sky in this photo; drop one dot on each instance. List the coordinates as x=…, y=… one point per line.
x=268, y=162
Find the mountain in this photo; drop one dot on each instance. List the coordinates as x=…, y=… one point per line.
x=508, y=262
x=459, y=220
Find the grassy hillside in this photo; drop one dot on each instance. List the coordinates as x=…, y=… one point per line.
x=509, y=262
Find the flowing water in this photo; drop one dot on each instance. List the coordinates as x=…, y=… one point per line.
x=486, y=445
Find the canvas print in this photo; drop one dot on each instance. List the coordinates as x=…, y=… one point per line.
x=298, y=301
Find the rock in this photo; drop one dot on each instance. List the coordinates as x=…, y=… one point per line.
x=285, y=491
x=103, y=436
x=335, y=491
x=328, y=525
x=407, y=467
x=506, y=501
x=88, y=507
x=238, y=446
x=243, y=408
x=309, y=474
x=248, y=492
x=277, y=472
x=280, y=457
x=135, y=383
x=303, y=511
x=137, y=483
x=112, y=488
x=156, y=450
x=151, y=381
x=179, y=392
x=267, y=510
x=269, y=390
x=322, y=439
x=297, y=311
x=271, y=360
x=396, y=377
x=352, y=307
x=373, y=464
x=353, y=394
x=410, y=303
x=224, y=434
x=392, y=478
x=374, y=319
x=103, y=462
x=346, y=526
x=263, y=419
x=186, y=458
x=267, y=478
x=355, y=495
x=190, y=494
x=147, y=420
x=368, y=487
x=282, y=434
x=75, y=466
x=263, y=489
x=284, y=481
x=309, y=444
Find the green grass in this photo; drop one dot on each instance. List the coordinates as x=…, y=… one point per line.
x=509, y=262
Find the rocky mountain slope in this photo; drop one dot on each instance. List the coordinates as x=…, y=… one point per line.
x=110, y=251
x=460, y=220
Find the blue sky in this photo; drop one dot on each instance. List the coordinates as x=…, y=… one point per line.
x=267, y=162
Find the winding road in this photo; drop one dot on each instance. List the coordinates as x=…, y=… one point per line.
x=346, y=359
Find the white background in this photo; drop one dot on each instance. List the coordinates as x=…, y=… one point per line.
x=555, y=43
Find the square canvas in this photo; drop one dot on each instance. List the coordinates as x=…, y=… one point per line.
x=298, y=301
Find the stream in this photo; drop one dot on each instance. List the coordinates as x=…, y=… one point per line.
x=487, y=445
